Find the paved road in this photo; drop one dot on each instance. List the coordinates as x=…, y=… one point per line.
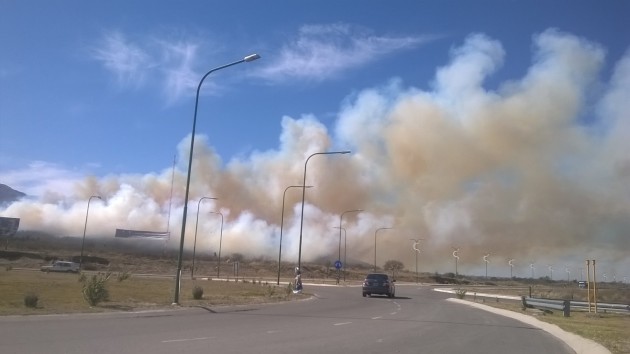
x=336, y=320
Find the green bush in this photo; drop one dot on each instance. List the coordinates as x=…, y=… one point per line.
x=197, y=292
x=460, y=293
x=30, y=300
x=95, y=289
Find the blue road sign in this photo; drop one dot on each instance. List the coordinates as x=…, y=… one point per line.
x=338, y=265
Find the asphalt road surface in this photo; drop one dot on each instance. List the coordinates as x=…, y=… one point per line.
x=335, y=320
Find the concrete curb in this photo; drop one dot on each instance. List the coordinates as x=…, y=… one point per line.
x=579, y=344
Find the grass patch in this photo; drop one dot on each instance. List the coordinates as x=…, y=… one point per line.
x=62, y=293
x=607, y=329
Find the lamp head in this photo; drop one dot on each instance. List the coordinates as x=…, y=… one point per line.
x=251, y=57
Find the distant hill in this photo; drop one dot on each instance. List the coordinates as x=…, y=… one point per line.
x=9, y=195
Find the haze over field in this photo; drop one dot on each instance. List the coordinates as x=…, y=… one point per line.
x=537, y=170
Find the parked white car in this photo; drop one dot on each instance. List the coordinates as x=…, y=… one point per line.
x=61, y=266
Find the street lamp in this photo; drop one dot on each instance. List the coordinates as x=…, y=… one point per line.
x=304, y=195
x=192, y=269
x=486, y=260
x=84, y=229
x=375, y=232
x=220, y=242
x=247, y=59
x=511, y=264
x=339, y=258
x=416, y=242
x=281, y=226
x=456, y=256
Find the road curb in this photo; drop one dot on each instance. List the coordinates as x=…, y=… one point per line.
x=579, y=344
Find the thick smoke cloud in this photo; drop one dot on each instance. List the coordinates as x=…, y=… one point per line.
x=537, y=170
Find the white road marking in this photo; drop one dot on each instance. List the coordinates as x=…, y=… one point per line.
x=272, y=332
x=377, y=317
x=393, y=313
x=185, y=339
x=342, y=323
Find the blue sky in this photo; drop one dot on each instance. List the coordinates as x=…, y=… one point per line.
x=108, y=87
x=98, y=97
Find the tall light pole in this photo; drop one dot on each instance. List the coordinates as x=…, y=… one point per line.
x=281, y=226
x=304, y=195
x=192, y=269
x=511, y=264
x=247, y=59
x=416, y=242
x=486, y=260
x=220, y=242
x=375, y=232
x=340, y=218
x=456, y=256
x=84, y=229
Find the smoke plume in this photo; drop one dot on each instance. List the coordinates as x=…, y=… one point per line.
x=536, y=170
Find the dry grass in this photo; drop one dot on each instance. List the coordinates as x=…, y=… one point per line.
x=61, y=293
x=607, y=329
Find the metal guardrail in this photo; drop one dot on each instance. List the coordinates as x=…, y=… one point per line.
x=546, y=304
x=567, y=305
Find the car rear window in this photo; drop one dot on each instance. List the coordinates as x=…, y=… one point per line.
x=377, y=276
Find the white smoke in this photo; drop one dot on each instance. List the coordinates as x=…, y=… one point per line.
x=537, y=170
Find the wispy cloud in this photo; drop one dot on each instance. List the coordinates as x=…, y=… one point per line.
x=126, y=60
x=41, y=178
x=321, y=52
x=168, y=63
x=177, y=67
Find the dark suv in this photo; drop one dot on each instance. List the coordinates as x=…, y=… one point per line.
x=379, y=284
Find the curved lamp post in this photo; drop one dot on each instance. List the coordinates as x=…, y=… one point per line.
x=456, y=256
x=220, y=242
x=192, y=269
x=486, y=260
x=375, y=232
x=281, y=226
x=339, y=258
x=84, y=229
x=247, y=59
x=416, y=250
x=304, y=195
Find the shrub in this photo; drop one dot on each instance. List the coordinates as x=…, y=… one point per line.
x=82, y=278
x=95, y=289
x=197, y=292
x=124, y=275
x=460, y=293
x=271, y=290
x=30, y=300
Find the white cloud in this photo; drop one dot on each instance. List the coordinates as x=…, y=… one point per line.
x=42, y=178
x=323, y=51
x=169, y=63
x=126, y=60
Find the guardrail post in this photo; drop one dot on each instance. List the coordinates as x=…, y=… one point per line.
x=566, y=308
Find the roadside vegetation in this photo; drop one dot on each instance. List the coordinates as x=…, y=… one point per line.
x=38, y=293
x=133, y=278
x=608, y=329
